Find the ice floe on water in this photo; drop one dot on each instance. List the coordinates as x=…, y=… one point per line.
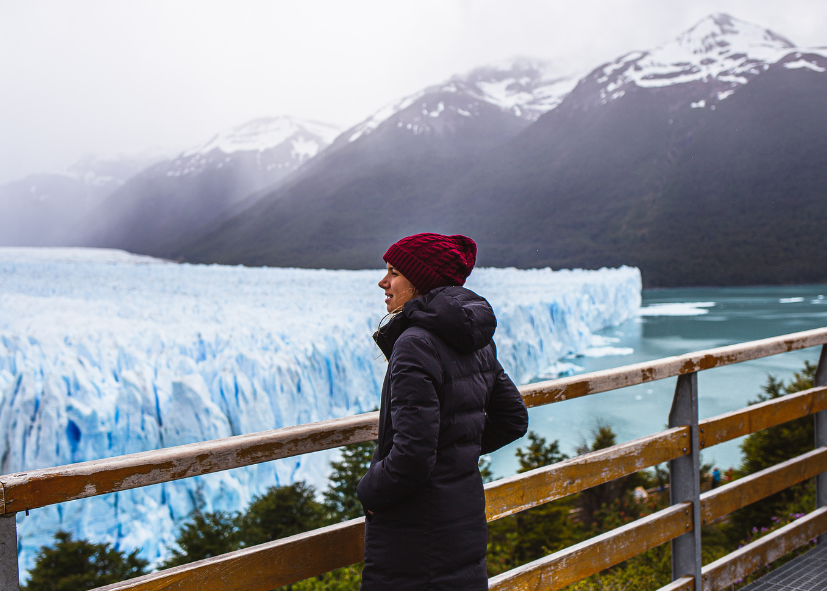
x=558, y=370
x=607, y=351
x=603, y=346
x=677, y=309
x=105, y=353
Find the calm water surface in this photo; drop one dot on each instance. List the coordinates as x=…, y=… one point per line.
x=721, y=316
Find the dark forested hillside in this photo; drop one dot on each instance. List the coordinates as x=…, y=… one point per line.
x=693, y=196
x=754, y=181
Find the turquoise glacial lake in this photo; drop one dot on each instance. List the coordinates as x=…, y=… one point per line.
x=673, y=322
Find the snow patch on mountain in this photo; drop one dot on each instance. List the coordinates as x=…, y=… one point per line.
x=105, y=353
x=802, y=63
x=528, y=88
x=720, y=50
x=523, y=87
x=267, y=133
x=280, y=145
x=382, y=115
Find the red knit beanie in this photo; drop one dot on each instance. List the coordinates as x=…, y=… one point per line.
x=433, y=260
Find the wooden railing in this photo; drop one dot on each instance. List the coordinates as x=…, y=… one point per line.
x=270, y=565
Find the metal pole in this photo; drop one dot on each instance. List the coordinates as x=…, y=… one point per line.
x=9, y=575
x=685, y=479
x=821, y=435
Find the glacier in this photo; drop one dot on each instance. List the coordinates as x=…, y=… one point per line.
x=104, y=353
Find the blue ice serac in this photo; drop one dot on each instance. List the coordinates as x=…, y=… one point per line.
x=104, y=353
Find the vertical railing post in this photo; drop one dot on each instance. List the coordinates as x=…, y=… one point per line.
x=685, y=480
x=9, y=575
x=821, y=435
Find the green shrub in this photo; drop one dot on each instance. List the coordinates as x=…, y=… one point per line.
x=207, y=535
x=281, y=512
x=770, y=447
x=72, y=565
x=340, y=496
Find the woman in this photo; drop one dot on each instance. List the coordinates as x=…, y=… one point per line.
x=445, y=400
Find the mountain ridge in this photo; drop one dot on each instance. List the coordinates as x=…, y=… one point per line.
x=50, y=208
x=171, y=201
x=622, y=131
x=375, y=169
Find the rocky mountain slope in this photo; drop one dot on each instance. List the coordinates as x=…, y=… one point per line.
x=703, y=161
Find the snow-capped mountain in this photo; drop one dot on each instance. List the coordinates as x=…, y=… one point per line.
x=522, y=87
x=721, y=53
x=390, y=169
x=699, y=161
x=702, y=162
x=46, y=209
x=281, y=144
x=167, y=202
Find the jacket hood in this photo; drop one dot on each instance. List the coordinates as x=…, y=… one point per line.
x=457, y=315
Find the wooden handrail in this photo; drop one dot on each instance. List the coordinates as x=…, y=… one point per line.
x=740, y=493
x=649, y=371
x=48, y=486
x=298, y=557
x=682, y=584
x=734, y=566
x=339, y=545
x=262, y=567
x=761, y=416
x=530, y=489
x=577, y=562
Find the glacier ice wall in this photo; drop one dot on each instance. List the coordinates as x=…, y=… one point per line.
x=104, y=353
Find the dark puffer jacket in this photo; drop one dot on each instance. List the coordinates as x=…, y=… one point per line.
x=445, y=400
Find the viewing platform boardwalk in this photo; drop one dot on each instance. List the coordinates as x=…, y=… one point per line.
x=806, y=573
x=285, y=561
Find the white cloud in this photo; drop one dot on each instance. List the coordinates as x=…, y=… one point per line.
x=108, y=77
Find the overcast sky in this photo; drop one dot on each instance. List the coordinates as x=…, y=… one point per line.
x=116, y=76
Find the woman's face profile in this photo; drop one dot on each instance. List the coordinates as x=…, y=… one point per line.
x=398, y=289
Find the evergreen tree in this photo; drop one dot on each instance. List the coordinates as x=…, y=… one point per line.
x=348, y=578
x=206, y=535
x=601, y=501
x=772, y=446
x=531, y=534
x=340, y=496
x=539, y=453
x=281, y=512
x=592, y=499
x=484, y=464
x=342, y=503
x=72, y=565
